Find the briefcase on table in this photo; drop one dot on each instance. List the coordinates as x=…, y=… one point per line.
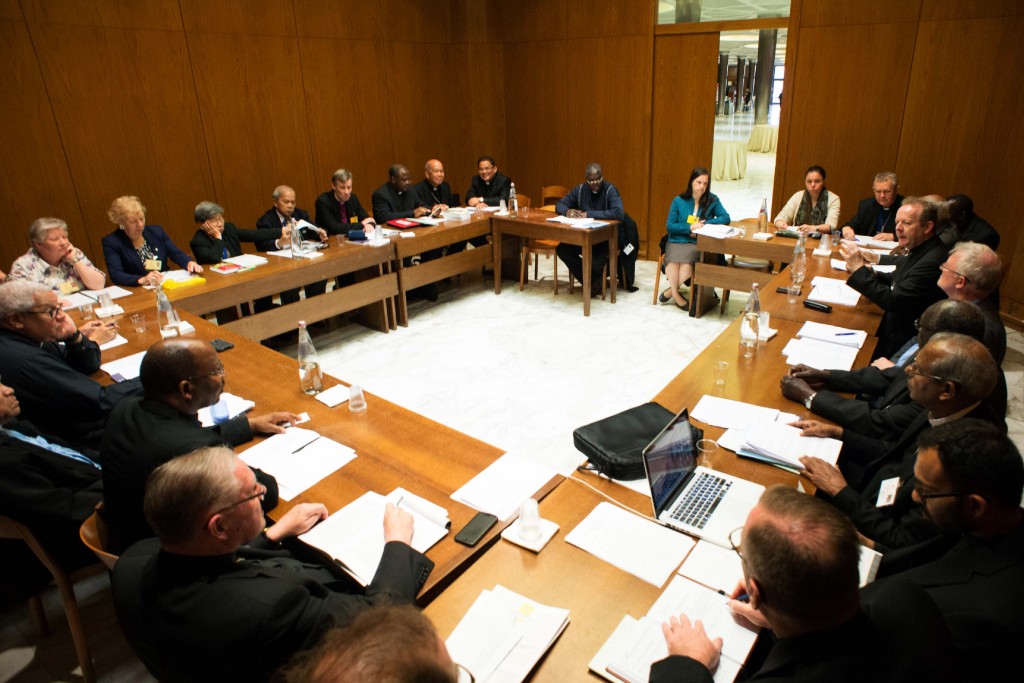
x=614, y=445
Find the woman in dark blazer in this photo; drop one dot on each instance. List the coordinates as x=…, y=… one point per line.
x=137, y=253
x=216, y=239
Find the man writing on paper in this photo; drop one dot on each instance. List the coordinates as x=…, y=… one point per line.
x=591, y=199
x=799, y=560
x=968, y=481
x=180, y=376
x=911, y=288
x=876, y=216
x=47, y=359
x=197, y=605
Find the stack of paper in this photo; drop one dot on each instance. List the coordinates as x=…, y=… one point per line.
x=354, y=535
x=503, y=635
x=236, y=406
x=716, y=231
x=504, y=485
x=578, y=222
x=636, y=644
x=833, y=334
x=305, y=253
x=771, y=441
x=298, y=459
x=114, y=291
x=643, y=548
x=819, y=355
x=832, y=291
x=124, y=368
x=726, y=413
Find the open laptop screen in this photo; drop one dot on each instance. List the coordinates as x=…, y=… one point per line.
x=669, y=459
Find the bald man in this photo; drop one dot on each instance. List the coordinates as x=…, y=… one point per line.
x=433, y=191
x=284, y=216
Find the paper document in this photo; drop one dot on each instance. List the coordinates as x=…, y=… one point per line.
x=504, y=634
x=716, y=231
x=578, y=222
x=831, y=333
x=76, y=300
x=118, y=340
x=504, y=485
x=236, y=406
x=726, y=413
x=246, y=260
x=427, y=220
x=819, y=355
x=114, y=291
x=287, y=253
x=124, y=368
x=639, y=546
x=714, y=566
x=298, y=459
x=354, y=535
x=868, y=565
x=783, y=442
x=832, y=291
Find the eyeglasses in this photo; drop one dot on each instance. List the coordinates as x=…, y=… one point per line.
x=261, y=492
x=912, y=370
x=464, y=674
x=925, y=496
x=219, y=370
x=943, y=266
x=595, y=181
x=735, y=538
x=52, y=311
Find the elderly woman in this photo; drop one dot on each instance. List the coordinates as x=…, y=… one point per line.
x=216, y=239
x=694, y=207
x=54, y=261
x=137, y=253
x=813, y=210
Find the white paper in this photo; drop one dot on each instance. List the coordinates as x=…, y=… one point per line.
x=177, y=276
x=355, y=535
x=287, y=253
x=714, y=566
x=503, y=486
x=643, y=548
x=118, y=340
x=832, y=291
x=236, y=406
x=879, y=268
x=124, y=368
x=246, y=260
x=504, y=634
x=298, y=459
x=785, y=443
x=819, y=355
x=726, y=413
x=114, y=291
x=834, y=334
x=334, y=396
x=76, y=300
x=427, y=220
x=716, y=231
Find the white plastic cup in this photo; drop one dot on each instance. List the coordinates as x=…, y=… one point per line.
x=529, y=520
x=356, y=400
x=105, y=300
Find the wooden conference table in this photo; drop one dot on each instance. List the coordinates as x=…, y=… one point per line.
x=537, y=227
x=394, y=446
x=597, y=594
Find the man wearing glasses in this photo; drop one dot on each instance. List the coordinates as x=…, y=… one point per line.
x=47, y=359
x=180, y=376
x=950, y=377
x=201, y=604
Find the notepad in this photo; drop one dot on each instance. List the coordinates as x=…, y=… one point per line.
x=503, y=486
x=832, y=291
x=819, y=355
x=124, y=368
x=246, y=260
x=298, y=459
x=843, y=336
x=726, y=413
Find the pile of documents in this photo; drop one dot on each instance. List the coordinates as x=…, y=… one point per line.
x=780, y=444
x=829, y=290
x=503, y=635
x=578, y=222
x=717, y=231
x=824, y=347
x=89, y=297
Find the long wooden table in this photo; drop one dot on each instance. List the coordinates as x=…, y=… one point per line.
x=538, y=227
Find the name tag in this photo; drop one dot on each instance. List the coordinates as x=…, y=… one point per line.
x=68, y=287
x=153, y=264
x=353, y=219
x=887, y=492
x=691, y=219
x=628, y=250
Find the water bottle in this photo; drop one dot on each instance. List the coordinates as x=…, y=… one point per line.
x=799, y=265
x=296, y=241
x=513, y=203
x=166, y=316
x=311, y=378
x=751, y=323
x=762, y=216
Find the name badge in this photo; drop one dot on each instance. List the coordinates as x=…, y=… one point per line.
x=887, y=492
x=628, y=249
x=353, y=219
x=691, y=219
x=153, y=264
x=68, y=287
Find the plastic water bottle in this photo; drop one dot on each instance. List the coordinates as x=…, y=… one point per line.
x=513, y=202
x=798, y=267
x=296, y=241
x=311, y=378
x=751, y=323
x=762, y=216
x=166, y=316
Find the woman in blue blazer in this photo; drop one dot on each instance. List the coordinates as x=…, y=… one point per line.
x=690, y=210
x=137, y=253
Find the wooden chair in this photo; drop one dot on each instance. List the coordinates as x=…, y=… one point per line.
x=94, y=535
x=532, y=249
x=12, y=529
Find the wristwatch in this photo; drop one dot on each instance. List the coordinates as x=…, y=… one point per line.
x=809, y=400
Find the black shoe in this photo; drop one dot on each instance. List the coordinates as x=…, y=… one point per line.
x=430, y=291
x=685, y=307
x=665, y=297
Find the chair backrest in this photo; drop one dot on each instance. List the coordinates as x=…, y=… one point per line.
x=522, y=199
x=552, y=192
x=93, y=533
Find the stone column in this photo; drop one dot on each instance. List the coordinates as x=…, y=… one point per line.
x=765, y=74
x=741, y=81
x=688, y=10
x=723, y=81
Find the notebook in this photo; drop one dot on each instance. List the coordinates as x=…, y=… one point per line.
x=692, y=499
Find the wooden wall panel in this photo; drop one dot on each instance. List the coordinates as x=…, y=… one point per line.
x=417, y=22
x=937, y=10
x=682, y=123
x=125, y=105
x=514, y=21
x=349, y=125
x=847, y=109
x=339, y=19
x=264, y=20
x=588, y=19
x=859, y=12
x=34, y=176
x=479, y=111
x=158, y=15
x=254, y=115
x=961, y=129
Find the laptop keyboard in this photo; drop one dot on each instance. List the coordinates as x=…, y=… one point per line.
x=696, y=506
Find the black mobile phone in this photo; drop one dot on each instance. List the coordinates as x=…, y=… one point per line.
x=221, y=345
x=475, y=529
x=824, y=308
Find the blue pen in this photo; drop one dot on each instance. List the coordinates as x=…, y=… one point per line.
x=845, y=334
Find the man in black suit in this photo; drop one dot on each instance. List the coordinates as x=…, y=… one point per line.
x=894, y=411
x=799, y=560
x=338, y=210
x=876, y=216
x=950, y=377
x=180, y=376
x=197, y=605
x=47, y=359
x=433, y=191
x=488, y=187
x=283, y=217
x=905, y=293
x=395, y=198
x=970, y=227
x=968, y=481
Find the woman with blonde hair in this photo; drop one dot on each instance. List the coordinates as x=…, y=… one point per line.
x=137, y=253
